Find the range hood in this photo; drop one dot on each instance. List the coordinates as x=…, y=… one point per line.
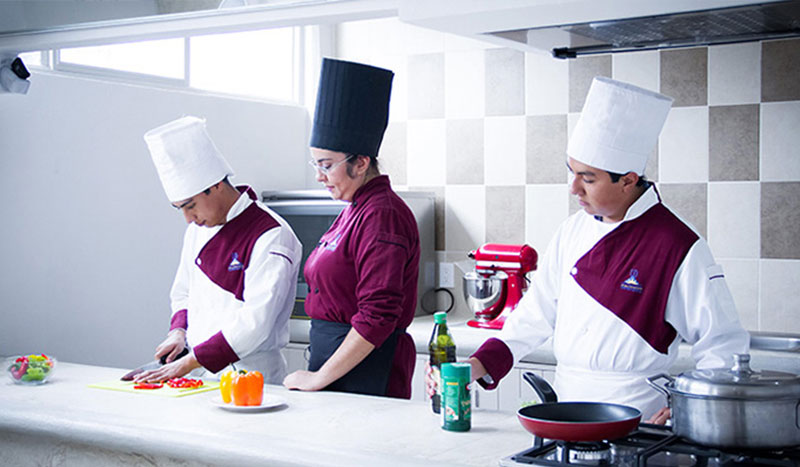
x=570, y=28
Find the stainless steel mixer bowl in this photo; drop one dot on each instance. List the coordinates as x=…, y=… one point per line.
x=482, y=292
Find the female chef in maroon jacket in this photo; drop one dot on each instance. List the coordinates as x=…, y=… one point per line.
x=362, y=276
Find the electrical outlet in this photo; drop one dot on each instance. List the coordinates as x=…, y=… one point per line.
x=446, y=273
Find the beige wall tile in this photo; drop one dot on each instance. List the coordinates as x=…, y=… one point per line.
x=546, y=85
x=780, y=68
x=688, y=201
x=780, y=220
x=426, y=152
x=504, y=162
x=581, y=73
x=780, y=141
x=683, y=146
x=546, y=149
x=546, y=207
x=734, y=74
x=505, y=82
x=426, y=86
x=464, y=88
x=778, y=310
x=505, y=214
x=684, y=76
x=465, y=149
x=733, y=144
x=465, y=217
x=638, y=68
x=734, y=219
x=741, y=275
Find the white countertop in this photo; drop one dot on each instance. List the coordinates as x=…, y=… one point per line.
x=319, y=429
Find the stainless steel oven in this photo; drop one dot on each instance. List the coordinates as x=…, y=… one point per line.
x=311, y=213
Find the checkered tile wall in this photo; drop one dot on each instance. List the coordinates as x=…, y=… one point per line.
x=486, y=128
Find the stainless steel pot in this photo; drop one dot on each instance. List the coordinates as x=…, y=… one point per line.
x=734, y=408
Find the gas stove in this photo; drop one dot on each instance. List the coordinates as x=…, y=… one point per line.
x=649, y=445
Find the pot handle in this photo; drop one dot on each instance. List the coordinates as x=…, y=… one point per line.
x=542, y=387
x=652, y=379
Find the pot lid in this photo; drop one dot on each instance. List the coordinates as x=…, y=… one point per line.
x=739, y=382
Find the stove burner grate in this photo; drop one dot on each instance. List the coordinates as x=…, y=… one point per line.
x=651, y=445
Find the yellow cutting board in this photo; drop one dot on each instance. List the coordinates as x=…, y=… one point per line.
x=127, y=386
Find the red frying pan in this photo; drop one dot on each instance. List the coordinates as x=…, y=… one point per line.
x=575, y=421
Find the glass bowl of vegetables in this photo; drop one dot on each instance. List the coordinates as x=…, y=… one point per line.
x=30, y=369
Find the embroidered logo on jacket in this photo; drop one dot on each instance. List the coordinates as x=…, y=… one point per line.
x=235, y=265
x=333, y=243
x=631, y=284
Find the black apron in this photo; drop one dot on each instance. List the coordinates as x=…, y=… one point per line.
x=371, y=376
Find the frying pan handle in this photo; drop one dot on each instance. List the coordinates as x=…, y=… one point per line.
x=651, y=380
x=542, y=387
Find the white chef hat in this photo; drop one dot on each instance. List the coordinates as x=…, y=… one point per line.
x=618, y=127
x=185, y=157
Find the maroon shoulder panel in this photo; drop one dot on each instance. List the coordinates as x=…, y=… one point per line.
x=226, y=256
x=630, y=271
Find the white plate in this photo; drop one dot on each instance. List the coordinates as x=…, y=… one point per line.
x=269, y=401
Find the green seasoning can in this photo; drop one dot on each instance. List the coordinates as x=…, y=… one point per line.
x=456, y=403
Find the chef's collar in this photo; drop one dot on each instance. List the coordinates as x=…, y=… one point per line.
x=246, y=197
x=633, y=212
x=648, y=199
x=378, y=183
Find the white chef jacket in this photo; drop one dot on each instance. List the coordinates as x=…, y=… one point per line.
x=257, y=327
x=600, y=357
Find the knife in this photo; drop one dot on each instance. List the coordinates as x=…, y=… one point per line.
x=151, y=366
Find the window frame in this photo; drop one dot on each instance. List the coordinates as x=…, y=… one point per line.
x=306, y=58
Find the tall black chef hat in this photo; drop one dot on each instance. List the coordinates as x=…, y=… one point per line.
x=352, y=107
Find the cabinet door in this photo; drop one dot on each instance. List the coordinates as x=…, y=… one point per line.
x=509, y=387
x=418, y=392
x=295, y=355
x=486, y=400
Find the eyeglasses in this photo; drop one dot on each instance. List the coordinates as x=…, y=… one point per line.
x=327, y=170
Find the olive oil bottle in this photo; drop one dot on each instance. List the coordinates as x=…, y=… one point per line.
x=442, y=350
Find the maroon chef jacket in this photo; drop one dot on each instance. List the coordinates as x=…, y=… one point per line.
x=364, y=272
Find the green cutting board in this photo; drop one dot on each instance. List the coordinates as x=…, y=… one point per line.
x=127, y=386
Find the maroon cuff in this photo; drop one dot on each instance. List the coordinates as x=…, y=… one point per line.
x=372, y=333
x=497, y=358
x=179, y=320
x=215, y=353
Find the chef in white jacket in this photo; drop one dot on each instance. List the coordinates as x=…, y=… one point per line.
x=624, y=280
x=236, y=281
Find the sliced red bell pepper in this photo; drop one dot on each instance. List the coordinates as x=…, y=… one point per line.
x=184, y=383
x=23, y=368
x=148, y=386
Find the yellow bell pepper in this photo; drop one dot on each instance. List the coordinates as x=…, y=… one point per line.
x=225, y=386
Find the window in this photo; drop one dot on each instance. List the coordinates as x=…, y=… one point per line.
x=255, y=63
x=31, y=59
x=164, y=58
x=262, y=63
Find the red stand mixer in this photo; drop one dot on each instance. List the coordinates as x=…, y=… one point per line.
x=495, y=288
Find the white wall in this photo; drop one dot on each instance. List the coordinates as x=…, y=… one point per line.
x=89, y=243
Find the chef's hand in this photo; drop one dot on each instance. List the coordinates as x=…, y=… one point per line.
x=304, y=381
x=172, y=345
x=660, y=417
x=477, y=370
x=175, y=369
